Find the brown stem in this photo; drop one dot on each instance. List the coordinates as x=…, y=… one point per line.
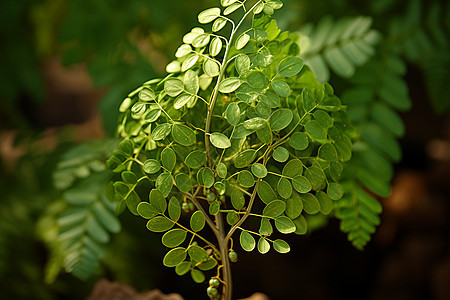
x=223, y=247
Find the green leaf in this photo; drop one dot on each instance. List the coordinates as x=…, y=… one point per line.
x=161, y=131
x=208, y=177
x=129, y=177
x=383, y=140
x=293, y=168
x=280, y=154
x=183, y=268
x=231, y=8
x=174, y=66
x=151, y=166
x=211, y=68
x=270, y=99
x=323, y=118
x=214, y=207
x=242, y=40
x=310, y=204
x=174, y=209
x=183, y=134
x=146, y=211
x=335, y=191
x=174, y=238
x=263, y=245
x=325, y=202
x=159, y=224
x=204, y=81
x=242, y=64
x=209, y=264
x=183, y=182
x=259, y=170
x=197, y=253
x=302, y=226
x=164, y=183
x=265, y=192
x=284, y=225
x=208, y=15
x=281, y=88
x=255, y=123
x=284, y=188
x=299, y=141
x=237, y=199
x=265, y=227
x=244, y=158
x=195, y=159
x=219, y=140
x=229, y=85
x=315, y=131
x=189, y=62
x=152, y=115
x=274, y=209
x=106, y=217
x=198, y=276
x=247, y=241
x=127, y=147
x=307, y=99
x=257, y=80
x=182, y=100
x=280, y=119
x=245, y=178
x=215, y=47
x=226, y=3
x=174, y=257
x=191, y=82
x=232, y=218
x=315, y=176
x=222, y=170
x=328, y=152
x=264, y=58
x=220, y=187
x=138, y=110
x=147, y=94
x=197, y=221
x=219, y=24
x=173, y=87
x=233, y=113
x=294, y=206
x=96, y=231
x=132, y=202
x=339, y=62
x=290, y=66
x=157, y=200
x=265, y=135
x=168, y=159
x=281, y=246
x=183, y=50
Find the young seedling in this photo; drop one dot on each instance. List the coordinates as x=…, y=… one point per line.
x=240, y=129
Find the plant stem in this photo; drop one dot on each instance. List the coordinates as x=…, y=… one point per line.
x=223, y=246
x=221, y=235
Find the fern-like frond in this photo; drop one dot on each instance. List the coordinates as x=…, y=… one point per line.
x=88, y=220
x=421, y=36
x=340, y=45
x=378, y=92
x=86, y=226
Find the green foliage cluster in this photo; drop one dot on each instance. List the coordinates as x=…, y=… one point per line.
x=240, y=128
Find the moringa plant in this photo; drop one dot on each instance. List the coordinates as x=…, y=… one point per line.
x=239, y=139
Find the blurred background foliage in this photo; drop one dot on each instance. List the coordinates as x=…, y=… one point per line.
x=65, y=67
